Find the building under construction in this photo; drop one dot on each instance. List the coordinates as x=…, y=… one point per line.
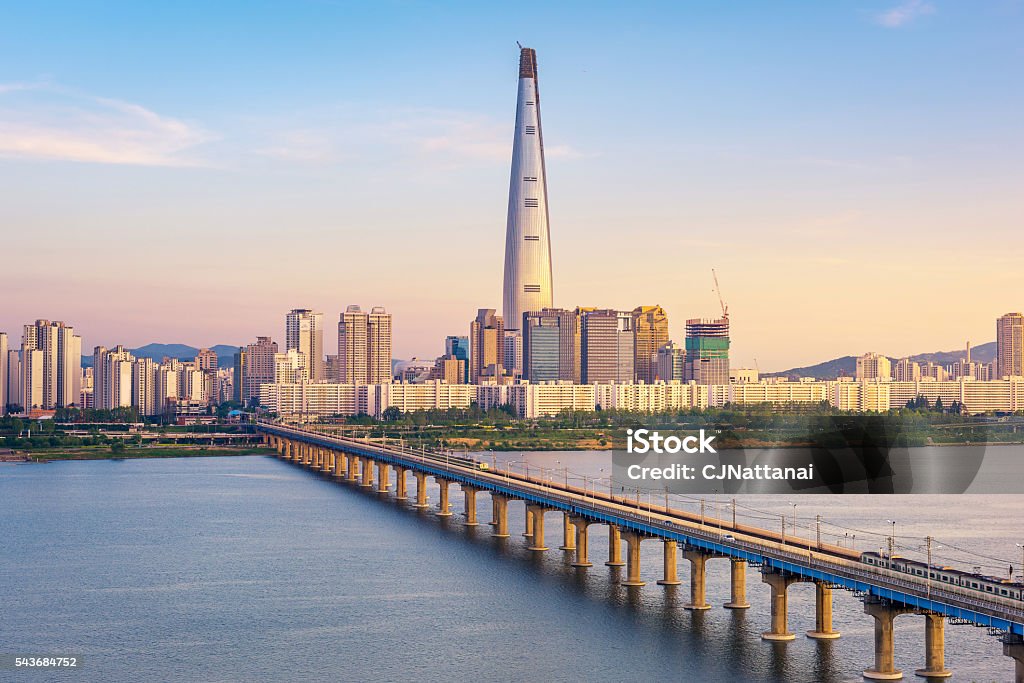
x=707, y=350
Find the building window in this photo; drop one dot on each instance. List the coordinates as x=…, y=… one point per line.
x=532, y=238
x=530, y=130
x=529, y=179
x=535, y=289
x=531, y=202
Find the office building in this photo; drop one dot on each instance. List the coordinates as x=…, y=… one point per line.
x=650, y=333
x=458, y=347
x=486, y=347
x=671, y=364
x=549, y=345
x=606, y=341
x=258, y=366
x=707, y=351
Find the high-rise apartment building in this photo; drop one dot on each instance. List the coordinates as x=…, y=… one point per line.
x=527, y=285
x=707, y=351
x=364, y=346
x=291, y=367
x=549, y=345
x=1010, y=345
x=650, y=332
x=458, y=347
x=304, y=332
x=32, y=379
x=606, y=340
x=206, y=360
x=237, y=371
x=3, y=373
x=907, y=370
x=13, y=377
x=258, y=366
x=112, y=377
x=873, y=366
x=512, y=357
x=486, y=347
x=60, y=373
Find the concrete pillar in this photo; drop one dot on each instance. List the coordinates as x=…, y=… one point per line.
x=671, y=575
x=934, y=648
x=329, y=456
x=614, y=547
x=500, y=512
x=779, y=585
x=738, y=593
x=444, y=507
x=494, y=511
x=1013, y=646
x=698, y=582
x=367, y=474
x=383, y=477
x=400, y=489
x=582, y=541
x=568, y=537
x=421, y=489
x=308, y=460
x=822, y=613
x=338, y=460
x=885, y=661
x=528, y=532
x=354, y=463
x=537, y=514
x=633, y=541
x=469, y=495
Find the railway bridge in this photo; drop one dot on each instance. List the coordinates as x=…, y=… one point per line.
x=783, y=560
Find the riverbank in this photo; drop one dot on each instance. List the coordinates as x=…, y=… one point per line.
x=106, y=453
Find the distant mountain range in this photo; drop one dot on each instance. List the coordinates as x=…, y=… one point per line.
x=847, y=365
x=225, y=353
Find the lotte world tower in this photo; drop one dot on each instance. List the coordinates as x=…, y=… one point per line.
x=527, y=284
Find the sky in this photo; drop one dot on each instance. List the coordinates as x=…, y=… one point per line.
x=188, y=172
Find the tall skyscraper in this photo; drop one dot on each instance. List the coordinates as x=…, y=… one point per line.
x=549, y=345
x=112, y=377
x=304, y=332
x=59, y=367
x=606, y=340
x=671, y=363
x=527, y=284
x=707, y=351
x=650, y=331
x=486, y=347
x=364, y=346
x=1010, y=345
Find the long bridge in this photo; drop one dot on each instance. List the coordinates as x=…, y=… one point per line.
x=783, y=560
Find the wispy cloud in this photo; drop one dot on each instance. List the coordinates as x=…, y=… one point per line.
x=432, y=137
x=904, y=13
x=41, y=121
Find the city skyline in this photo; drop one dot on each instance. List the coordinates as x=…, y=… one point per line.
x=738, y=165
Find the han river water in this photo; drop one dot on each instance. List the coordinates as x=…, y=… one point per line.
x=252, y=569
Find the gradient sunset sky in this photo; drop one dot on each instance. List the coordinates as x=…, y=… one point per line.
x=188, y=172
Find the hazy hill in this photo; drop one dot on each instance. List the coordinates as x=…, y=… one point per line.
x=225, y=353
x=847, y=365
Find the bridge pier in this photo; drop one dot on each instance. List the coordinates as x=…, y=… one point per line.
x=1013, y=646
x=582, y=541
x=934, y=648
x=568, y=537
x=822, y=613
x=500, y=515
x=528, y=530
x=339, y=464
x=885, y=660
x=383, y=477
x=671, y=564
x=331, y=462
x=779, y=585
x=354, y=462
x=738, y=585
x=537, y=513
x=444, y=507
x=633, y=541
x=698, y=582
x=367, y=473
x=400, y=490
x=614, y=546
x=421, y=489
x=469, y=495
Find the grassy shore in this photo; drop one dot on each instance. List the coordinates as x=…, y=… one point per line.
x=162, y=451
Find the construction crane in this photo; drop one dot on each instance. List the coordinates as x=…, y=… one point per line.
x=718, y=291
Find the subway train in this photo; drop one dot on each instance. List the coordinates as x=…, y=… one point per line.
x=1004, y=588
